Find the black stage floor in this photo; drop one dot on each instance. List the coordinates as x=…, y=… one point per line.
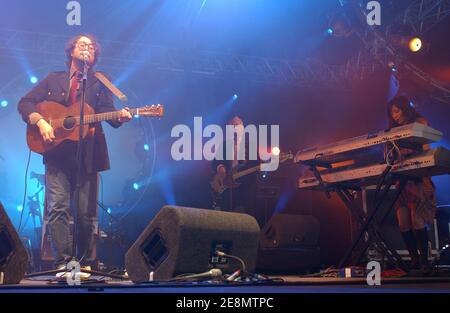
x=278, y=284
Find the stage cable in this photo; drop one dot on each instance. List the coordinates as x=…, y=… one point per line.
x=25, y=191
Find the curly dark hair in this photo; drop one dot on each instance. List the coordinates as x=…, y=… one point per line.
x=70, y=45
x=404, y=104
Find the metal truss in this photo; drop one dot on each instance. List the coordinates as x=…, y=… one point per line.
x=423, y=15
x=440, y=92
x=120, y=55
x=377, y=47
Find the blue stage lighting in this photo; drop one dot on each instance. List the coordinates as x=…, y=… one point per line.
x=330, y=31
x=33, y=79
x=4, y=103
x=109, y=210
x=135, y=186
x=146, y=147
x=19, y=208
x=235, y=96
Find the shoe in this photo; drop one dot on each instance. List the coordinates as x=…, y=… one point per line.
x=64, y=274
x=84, y=275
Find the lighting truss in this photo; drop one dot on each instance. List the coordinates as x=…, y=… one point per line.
x=305, y=72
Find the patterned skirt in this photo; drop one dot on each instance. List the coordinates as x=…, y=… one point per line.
x=420, y=198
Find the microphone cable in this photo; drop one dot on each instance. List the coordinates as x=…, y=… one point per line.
x=24, y=192
x=243, y=267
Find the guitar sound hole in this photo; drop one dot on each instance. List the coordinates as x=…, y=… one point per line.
x=69, y=122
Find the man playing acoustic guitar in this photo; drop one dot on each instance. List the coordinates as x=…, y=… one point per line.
x=60, y=161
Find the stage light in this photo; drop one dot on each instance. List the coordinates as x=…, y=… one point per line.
x=264, y=175
x=33, y=79
x=330, y=31
x=235, y=96
x=109, y=210
x=19, y=208
x=146, y=147
x=407, y=42
x=276, y=151
x=136, y=116
x=135, y=186
x=415, y=44
x=4, y=103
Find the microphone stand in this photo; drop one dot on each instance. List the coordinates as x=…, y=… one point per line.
x=80, y=147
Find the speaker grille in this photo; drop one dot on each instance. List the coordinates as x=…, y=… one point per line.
x=154, y=249
x=13, y=256
x=6, y=247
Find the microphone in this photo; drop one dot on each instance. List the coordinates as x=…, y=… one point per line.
x=85, y=55
x=211, y=274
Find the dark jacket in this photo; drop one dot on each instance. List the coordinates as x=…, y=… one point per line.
x=55, y=87
x=242, y=164
x=243, y=197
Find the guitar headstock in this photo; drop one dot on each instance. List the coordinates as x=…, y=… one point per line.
x=284, y=156
x=156, y=110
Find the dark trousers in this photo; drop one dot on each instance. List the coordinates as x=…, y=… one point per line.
x=60, y=183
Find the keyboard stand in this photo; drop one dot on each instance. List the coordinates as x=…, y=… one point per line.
x=370, y=224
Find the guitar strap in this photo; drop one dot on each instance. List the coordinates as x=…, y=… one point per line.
x=119, y=94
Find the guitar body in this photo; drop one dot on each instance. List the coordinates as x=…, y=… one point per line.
x=221, y=188
x=66, y=127
x=219, y=185
x=61, y=118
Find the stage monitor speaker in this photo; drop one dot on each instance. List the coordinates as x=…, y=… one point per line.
x=13, y=255
x=290, y=231
x=289, y=244
x=181, y=240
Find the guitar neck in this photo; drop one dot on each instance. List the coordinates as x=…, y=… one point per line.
x=257, y=168
x=247, y=172
x=107, y=116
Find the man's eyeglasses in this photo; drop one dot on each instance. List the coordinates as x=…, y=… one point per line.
x=84, y=46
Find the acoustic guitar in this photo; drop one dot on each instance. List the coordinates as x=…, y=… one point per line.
x=66, y=122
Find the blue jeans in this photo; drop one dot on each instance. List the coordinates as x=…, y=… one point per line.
x=60, y=183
